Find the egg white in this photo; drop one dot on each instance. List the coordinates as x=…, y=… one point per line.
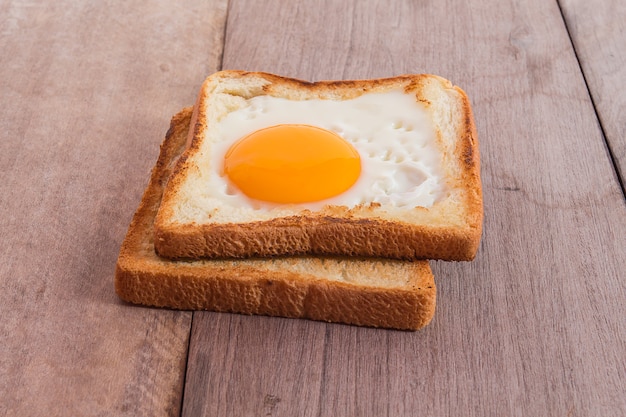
x=400, y=162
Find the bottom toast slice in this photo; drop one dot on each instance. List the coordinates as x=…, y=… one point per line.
x=364, y=292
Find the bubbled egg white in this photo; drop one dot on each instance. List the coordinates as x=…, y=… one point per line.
x=400, y=162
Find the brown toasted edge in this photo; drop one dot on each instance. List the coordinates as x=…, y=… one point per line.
x=141, y=277
x=468, y=153
x=319, y=235
x=322, y=234
x=359, y=86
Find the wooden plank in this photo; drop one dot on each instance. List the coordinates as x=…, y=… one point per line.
x=253, y=374
x=598, y=31
x=532, y=326
x=87, y=90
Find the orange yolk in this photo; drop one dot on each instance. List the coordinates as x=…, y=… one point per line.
x=292, y=164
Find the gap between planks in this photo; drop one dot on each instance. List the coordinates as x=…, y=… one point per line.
x=609, y=149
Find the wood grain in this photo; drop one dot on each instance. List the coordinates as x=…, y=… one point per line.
x=532, y=327
x=87, y=89
x=598, y=31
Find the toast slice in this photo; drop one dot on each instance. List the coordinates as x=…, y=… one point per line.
x=203, y=216
x=373, y=292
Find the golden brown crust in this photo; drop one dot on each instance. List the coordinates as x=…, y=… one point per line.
x=334, y=230
x=468, y=152
x=265, y=287
x=318, y=235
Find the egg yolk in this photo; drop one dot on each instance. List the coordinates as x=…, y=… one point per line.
x=292, y=164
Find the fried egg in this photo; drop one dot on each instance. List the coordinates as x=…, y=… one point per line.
x=376, y=148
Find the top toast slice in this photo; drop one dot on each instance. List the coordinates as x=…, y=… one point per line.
x=203, y=216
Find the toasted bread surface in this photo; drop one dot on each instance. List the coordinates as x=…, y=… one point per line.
x=190, y=227
x=369, y=292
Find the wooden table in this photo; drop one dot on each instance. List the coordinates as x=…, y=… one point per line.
x=535, y=326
